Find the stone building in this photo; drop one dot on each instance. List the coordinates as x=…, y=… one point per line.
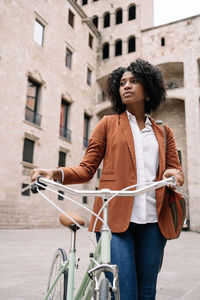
x=55, y=57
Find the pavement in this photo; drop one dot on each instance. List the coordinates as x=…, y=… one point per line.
x=25, y=256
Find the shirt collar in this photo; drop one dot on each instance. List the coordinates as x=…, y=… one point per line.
x=132, y=117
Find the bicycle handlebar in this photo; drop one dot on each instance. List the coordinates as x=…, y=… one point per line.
x=105, y=193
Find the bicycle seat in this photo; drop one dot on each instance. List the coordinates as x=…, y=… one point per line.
x=64, y=220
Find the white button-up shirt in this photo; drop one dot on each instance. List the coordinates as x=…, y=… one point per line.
x=147, y=161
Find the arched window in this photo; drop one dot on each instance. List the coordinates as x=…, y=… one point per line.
x=106, y=48
x=118, y=48
x=119, y=16
x=132, y=12
x=95, y=21
x=106, y=20
x=131, y=44
x=84, y=2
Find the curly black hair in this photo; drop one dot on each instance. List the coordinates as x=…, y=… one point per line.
x=148, y=75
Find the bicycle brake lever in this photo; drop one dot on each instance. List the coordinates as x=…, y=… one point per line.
x=35, y=187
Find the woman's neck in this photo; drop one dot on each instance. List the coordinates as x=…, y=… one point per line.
x=137, y=111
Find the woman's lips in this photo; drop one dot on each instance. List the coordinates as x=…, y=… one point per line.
x=127, y=94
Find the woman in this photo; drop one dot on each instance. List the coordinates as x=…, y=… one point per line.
x=133, y=149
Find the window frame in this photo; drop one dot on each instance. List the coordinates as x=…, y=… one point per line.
x=117, y=42
x=25, y=154
x=106, y=20
x=68, y=58
x=41, y=42
x=32, y=114
x=133, y=17
x=62, y=159
x=71, y=18
x=86, y=129
x=89, y=76
x=119, y=10
x=106, y=44
x=90, y=40
x=65, y=107
x=129, y=40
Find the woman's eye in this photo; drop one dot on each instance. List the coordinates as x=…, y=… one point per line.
x=122, y=83
x=135, y=81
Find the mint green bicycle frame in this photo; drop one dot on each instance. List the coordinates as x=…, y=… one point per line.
x=100, y=260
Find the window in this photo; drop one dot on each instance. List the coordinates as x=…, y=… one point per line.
x=64, y=120
x=28, y=150
x=131, y=44
x=180, y=156
x=26, y=192
x=68, y=61
x=62, y=159
x=132, y=13
x=106, y=49
x=106, y=20
x=90, y=41
x=118, y=48
x=162, y=41
x=60, y=196
x=85, y=201
x=118, y=16
x=95, y=0
x=84, y=2
x=38, y=33
x=103, y=97
x=32, y=103
x=86, y=129
x=98, y=173
x=89, y=76
x=71, y=18
x=95, y=21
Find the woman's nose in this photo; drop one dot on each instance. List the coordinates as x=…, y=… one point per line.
x=127, y=85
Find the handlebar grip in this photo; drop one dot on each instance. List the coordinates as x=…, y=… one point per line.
x=35, y=187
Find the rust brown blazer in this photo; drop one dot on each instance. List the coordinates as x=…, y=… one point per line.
x=112, y=141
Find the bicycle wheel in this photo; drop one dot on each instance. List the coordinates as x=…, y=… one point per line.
x=104, y=290
x=60, y=290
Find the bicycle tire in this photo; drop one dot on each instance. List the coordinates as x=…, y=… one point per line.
x=59, y=292
x=104, y=290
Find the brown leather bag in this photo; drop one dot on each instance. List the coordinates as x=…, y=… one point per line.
x=176, y=202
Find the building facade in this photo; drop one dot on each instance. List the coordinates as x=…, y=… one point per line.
x=55, y=57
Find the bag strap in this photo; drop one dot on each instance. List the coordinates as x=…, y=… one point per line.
x=159, y=122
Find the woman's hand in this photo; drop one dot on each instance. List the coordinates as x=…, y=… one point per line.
x=55, y=174
x=178, y=174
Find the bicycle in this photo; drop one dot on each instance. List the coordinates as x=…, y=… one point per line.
x=61, y=277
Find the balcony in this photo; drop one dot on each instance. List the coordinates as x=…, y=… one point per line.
x=65, y=133
x=32, y=116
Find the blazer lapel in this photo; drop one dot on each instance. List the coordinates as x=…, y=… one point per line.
x=126, y=129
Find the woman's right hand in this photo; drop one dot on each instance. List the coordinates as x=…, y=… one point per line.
x=55, y=174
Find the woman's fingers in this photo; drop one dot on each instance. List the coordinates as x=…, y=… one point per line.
x=176, y=173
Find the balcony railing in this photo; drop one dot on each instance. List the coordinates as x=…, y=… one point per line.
x=65, y=132
x=32, y=116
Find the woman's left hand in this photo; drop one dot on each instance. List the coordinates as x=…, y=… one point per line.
x=178, y=174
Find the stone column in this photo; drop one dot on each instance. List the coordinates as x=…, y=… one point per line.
x=192, y=136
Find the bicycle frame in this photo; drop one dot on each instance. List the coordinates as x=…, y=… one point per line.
x=100, y=260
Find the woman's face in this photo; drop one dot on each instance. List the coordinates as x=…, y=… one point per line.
x=131, y=90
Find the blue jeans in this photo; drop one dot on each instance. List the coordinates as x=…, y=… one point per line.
x=138, y=253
